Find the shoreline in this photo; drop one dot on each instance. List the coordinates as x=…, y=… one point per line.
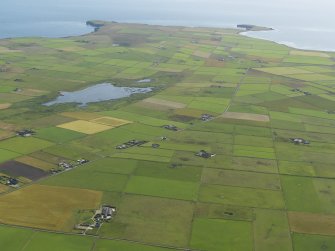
x=96, y=25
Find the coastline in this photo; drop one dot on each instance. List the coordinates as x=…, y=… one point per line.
x=253, y=32
x=257, y=34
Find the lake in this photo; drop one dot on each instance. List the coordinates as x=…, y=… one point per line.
x=304, y=24
x=96, y=93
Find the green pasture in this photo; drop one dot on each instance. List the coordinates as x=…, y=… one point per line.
x=214, y=234
x=240, y=179
x=7, y=155
x=24, y=145
x=83, y=177
x=166, y=188
x=308, y=242
x=21, y=237
x=164, y=222
x=168, y=171
x=271, y=231
x=249, y=197
x=58, y=135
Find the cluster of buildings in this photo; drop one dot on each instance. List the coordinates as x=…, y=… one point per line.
x=206, y=117
x=101, y=215
x=131, y=143
x=64, y=166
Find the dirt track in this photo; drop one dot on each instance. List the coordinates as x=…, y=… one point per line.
x=246, y=116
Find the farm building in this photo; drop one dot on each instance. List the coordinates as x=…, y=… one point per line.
x=25, y=133
x=106, y=212
x=299, y=141
x=204, y=154
x=206, y=117
x=171, y=127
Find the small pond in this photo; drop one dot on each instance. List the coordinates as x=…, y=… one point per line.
x=96, y=93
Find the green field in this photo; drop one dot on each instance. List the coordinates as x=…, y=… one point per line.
x=226, y=177
x=211, y=234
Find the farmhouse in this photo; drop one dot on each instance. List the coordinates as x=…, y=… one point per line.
x=171, y=127
x=106, y=212
x=25, y=133
x=9, y=181
x=204, y=154
x=65, y=165
x=206, y=117
x=299, y=141
x=82, y=161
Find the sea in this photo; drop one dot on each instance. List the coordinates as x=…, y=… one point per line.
x=304, y=24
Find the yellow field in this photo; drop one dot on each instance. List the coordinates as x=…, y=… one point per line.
x=3, y=188
x=309, y=54
x=35, y=162
x=85, y=127
x=46, y=207
x=246, y=116
x=5, y=106
x=110, y=121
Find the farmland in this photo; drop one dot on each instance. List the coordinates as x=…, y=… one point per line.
x=233, y=149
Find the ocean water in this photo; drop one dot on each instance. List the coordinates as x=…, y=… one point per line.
x=306, y=24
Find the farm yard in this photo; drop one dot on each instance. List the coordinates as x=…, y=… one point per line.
x=232, y=150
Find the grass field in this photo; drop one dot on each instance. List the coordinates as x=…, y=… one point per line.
x=162, y=188
x=212, y=234
x=241, y=196
x=24, y=145
x=257, y=191
x=166, y=221
x=46, y=207
x=305, y=242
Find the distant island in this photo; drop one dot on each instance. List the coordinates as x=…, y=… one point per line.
x=97, y=24
x=250, y=27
